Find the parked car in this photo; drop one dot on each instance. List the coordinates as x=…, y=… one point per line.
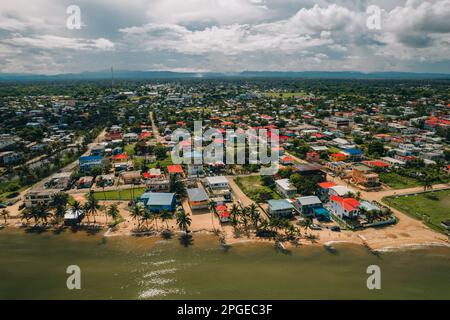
x=315, y=227
x=335, y=228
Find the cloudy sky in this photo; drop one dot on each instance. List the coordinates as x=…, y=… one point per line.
x=225, y=35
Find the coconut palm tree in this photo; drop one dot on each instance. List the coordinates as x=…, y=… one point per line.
x=254, y=214
x=59, y=202
x=212, y=208
x=234, y=215
x=43, y=213
x=183, y=221
x=92, y=205
x=165, y=217
x=5, y=214
x=112, y=212
x=137, y=213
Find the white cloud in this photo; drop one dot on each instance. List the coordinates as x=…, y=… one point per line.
x=55, y=42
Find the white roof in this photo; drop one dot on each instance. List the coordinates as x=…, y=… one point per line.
x=341, y=190
x=285, y=184
x=217, y=180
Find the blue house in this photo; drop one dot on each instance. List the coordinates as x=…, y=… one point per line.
x=353, y=153
x=156, y=201
x=87, y=163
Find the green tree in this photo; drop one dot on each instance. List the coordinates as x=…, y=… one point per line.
x=183, y=221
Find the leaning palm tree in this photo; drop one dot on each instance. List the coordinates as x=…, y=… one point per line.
x=254, y=215
x=5, y=214
x=183, y=221
x=234, y=215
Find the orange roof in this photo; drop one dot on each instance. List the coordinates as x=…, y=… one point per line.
x=174, y=168
x=337, y=155
x=121, y=156
x=327, y=184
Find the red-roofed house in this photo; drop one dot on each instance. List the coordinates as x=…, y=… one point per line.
x=287, y=160
x=175, y=169
x=120, y=157
x=335, y=157
x=344, y=207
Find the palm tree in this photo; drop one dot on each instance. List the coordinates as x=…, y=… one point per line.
x=5, y=214
x=85, y=209
x=254, y=215
x=112, y=212
x=26, y=215
x=92, y=205
x=234, y=215
x=244, y=217
x=212, y=209
x=183, y=221
x=43, y=213
x=165, y=216
x=59, y=202
x=137, y=213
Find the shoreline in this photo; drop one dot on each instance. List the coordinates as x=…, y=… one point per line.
x=359, y=240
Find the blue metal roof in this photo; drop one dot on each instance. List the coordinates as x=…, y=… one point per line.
x=353, y=151
x=90, y=158
x=321, y=212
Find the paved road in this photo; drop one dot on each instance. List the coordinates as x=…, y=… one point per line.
x=155, y=129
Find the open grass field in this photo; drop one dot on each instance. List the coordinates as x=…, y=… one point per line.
x=396, y=181
x=126, y=194
x=434, y=205
x=253, y=187
x=285, y=95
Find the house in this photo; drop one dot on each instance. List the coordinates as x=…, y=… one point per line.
x=85, y=182
x=353, y=154
x=287, y=160
x=73, y=217
x=130, y=137
x=311, y=171
x=131, y=177
x=344, y=207
x=175, y=169
x=39, y=196
x=313, y=156
x=9, y=157
x=153, y=173
x=87, y=163
x=307, y=204
x=337, y=167
x=340, y=191
x=364, y=176
x=197, y=198
x=157, y=202
x=217, y=182
x=107, y=180
x=280, y=208
x=323, y=190
x=285, y=188
x=121, y=157
x=59, y=180
x=336, y=157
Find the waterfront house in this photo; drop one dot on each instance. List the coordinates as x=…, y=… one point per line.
x=73, y=217
x=344, y=207
x=157, y=202
x=280, y=208
x=197, y=198
x=307, y=204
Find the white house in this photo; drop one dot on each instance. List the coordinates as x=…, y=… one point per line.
x=285, y=188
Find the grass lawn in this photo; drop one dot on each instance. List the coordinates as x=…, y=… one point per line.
x=162, y=163
x=396, y=181
x=126, y=194
x=438, y=209
x=285, y=95
x=252, y=186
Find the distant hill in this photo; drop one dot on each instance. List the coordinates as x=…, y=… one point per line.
x=124, y=74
